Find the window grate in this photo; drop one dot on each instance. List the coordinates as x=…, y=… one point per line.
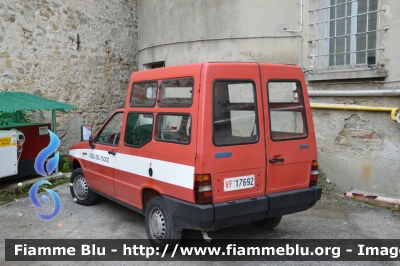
x=346, y=34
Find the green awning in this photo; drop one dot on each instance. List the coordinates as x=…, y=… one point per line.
x=11, y=102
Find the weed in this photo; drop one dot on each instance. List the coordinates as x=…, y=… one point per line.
x=395, y=210
x=54, y=182
x=65, y=167
x=24, y=191
x=9, y=196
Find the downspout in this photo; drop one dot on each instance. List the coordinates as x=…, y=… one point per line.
x=54, y=129
x=394, y=111
x=301, y=28
x=301, y=19
x=367, y=197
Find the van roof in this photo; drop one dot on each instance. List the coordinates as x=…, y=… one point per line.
x=220, y=62
x=168, y=71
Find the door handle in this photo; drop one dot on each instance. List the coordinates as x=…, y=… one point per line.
x=276, y=160
x=112, y=152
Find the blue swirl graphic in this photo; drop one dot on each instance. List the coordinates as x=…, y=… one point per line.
x=35, y=201
x=45, y=153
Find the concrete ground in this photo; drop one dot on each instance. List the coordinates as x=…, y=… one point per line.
x=334, y=217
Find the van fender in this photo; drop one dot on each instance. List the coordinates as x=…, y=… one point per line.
x=147, y=194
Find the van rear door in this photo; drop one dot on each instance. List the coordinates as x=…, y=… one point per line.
x=290, y=140
x=231, y=141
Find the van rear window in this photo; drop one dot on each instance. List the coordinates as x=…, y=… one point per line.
x=286, y=110
x=176, y=93
x=144, y=94
x=234, y=113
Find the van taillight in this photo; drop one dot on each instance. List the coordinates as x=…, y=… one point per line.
x=202, y=189
x=314, y=173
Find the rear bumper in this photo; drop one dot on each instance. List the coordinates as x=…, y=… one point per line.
x=201, y=217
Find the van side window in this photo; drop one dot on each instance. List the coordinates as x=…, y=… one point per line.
x=110, y=133
x=139, y=128
x=176, y=93
x=286, y=109
x=173, y=128
x=144, y=94
x=234, y=113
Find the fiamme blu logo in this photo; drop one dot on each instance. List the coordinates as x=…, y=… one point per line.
x=40, y=164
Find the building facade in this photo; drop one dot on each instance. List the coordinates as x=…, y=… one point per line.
x=347, y=48
x=78, y=52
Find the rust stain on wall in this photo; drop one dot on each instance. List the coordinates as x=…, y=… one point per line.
x=366, y=172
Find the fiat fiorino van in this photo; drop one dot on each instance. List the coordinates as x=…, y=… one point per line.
x=204, y=146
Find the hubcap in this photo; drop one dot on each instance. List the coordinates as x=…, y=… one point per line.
x=80, y=187
x=157, y=224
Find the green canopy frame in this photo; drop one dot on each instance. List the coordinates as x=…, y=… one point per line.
x=15, y=102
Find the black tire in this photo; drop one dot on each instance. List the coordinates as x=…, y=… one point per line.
x=267, y=224
x=159, y=225
x=60, y=163
x=80, y=190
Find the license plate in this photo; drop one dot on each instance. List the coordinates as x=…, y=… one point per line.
x=241, y=182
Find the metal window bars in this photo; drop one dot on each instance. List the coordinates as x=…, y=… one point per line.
x=359, y=43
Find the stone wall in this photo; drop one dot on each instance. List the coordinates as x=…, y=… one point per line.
x=39, y=54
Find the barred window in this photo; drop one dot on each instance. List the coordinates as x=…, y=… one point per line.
x=347, y=33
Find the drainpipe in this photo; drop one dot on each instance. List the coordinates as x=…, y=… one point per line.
x=301, y=19
x=367, y=197
x=392, y=110
x=54, y=129
x=360, y=93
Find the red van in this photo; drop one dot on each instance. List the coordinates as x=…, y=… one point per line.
x=204, y=146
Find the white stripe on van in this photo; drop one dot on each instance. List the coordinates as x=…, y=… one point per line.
x=168, y=172
x=94, y=156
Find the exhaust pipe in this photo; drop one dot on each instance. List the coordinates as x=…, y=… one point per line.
x=206, y=237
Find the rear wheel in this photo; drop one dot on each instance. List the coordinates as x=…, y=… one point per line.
x=80, y=190
x=267, y=224
x=159, y=225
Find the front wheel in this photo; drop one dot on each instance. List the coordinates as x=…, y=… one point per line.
x=80, y=190
x=267, y=224
x=159, y=225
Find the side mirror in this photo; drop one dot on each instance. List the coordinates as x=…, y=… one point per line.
x=86, y=132
x=86, y=135
x=91, y=142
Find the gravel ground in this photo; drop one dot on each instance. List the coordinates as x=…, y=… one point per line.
x=333, y=217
